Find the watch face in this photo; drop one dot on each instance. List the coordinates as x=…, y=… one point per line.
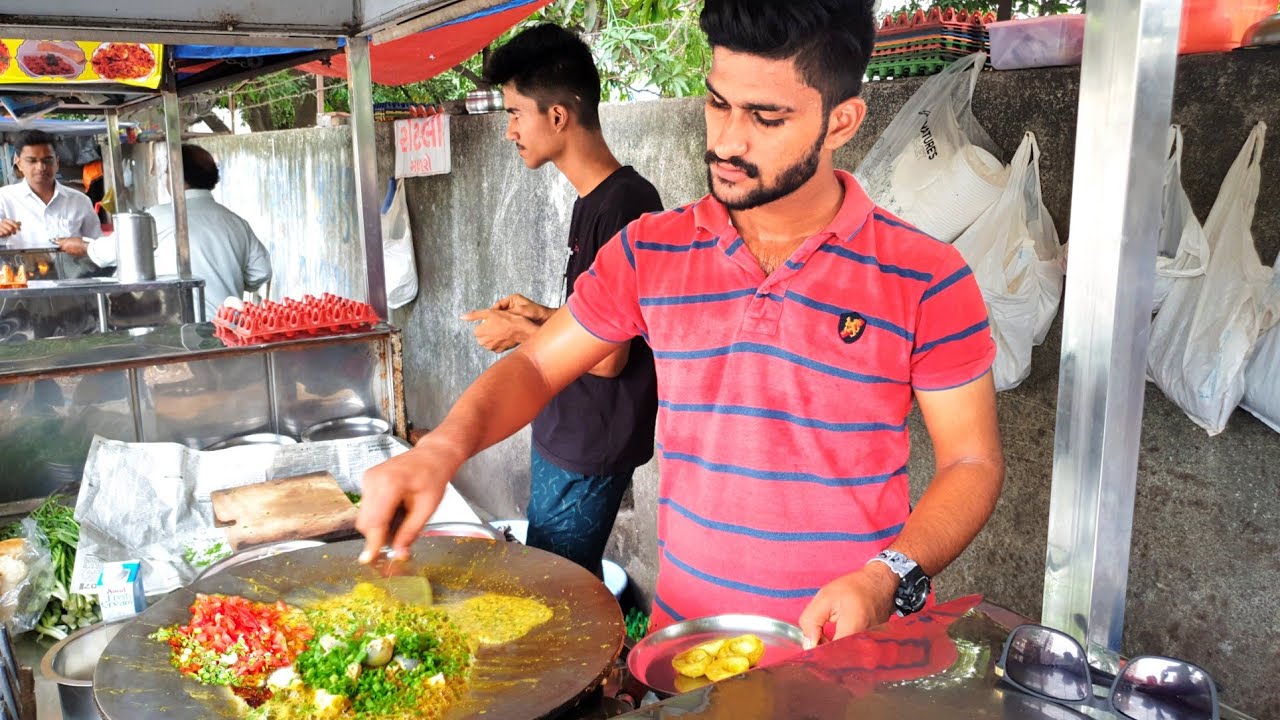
x=918, y=594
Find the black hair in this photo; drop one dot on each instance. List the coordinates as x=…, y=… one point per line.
x=199, y=170
x=33, y=137
x=554, y=67
x=830, y=40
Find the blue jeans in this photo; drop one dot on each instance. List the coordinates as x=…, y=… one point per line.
x=571, y=514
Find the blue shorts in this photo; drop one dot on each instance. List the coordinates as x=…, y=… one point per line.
x=571, y=514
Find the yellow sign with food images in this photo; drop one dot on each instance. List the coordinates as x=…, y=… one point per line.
x=78, y=61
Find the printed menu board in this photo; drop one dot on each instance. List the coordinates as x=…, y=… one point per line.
x=77, y=61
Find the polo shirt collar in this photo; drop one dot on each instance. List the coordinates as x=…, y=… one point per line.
x=711, y=217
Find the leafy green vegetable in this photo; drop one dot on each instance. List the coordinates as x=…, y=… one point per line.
x=354, y=498
x=637, y=624
x=200, y=556
x=66, y=611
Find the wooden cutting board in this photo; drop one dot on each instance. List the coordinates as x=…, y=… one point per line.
x=293, y=508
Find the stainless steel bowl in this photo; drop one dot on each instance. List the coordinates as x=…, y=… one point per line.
x=253, y=439
x=70, y=664
x=256, y=553
x=345, y=429
x=484, y=101
x=462, y=529
x=1264, y=32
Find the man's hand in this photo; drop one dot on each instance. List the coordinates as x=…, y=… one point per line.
x=9, y=227
x=73, y=246
x=413, y=482
x=856, y=602
x=525, y=308
x=499, y=330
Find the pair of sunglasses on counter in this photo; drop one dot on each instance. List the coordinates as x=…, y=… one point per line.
x=1052, y=665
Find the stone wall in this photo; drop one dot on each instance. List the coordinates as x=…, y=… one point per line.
x=1207, y=520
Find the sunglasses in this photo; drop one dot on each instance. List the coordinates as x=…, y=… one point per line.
x=1051, y=665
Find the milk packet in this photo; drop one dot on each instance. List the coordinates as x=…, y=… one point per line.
x=120, y=592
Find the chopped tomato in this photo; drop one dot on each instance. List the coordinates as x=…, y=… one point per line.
x=235, y=641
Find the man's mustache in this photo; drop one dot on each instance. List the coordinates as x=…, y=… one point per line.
x=750, y=170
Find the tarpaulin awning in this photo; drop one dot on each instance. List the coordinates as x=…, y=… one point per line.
x=425, y=55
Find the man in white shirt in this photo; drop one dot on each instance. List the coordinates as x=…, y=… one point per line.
x=40, y=212
x=225, y=253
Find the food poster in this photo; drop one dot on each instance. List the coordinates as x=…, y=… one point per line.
x=78, y=61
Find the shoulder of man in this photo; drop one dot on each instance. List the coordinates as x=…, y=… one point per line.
x=910, y=246
x=74, y=193
x=634, y=190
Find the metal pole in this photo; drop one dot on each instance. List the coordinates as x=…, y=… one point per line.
x=366, y=161
x=114, y=161
x=1126, y=98
x=177, y=180
x=231, y=105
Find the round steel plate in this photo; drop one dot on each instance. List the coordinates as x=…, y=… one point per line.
x=540, y=674
x=650, y=660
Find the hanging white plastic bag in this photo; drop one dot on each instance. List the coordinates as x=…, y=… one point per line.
x=1203, y=337
x=1015, y=256
x=935, y=166
x=1183, y=250
x=1262, y=376
x=397, y=249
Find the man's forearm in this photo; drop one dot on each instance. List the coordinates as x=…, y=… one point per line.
x=950, y=514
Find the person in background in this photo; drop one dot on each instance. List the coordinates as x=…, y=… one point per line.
x=225, y=252
x=95, y=186
x=794, y=325
x=40, y=212
x=588, y=441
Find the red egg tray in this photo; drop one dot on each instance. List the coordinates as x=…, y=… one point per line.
x=309, y=317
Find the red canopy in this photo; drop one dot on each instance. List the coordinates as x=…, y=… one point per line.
x=426, y=54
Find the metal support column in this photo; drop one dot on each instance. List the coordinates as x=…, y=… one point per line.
x=1126, y=96
x=114, y=162
x=177, y=179
x=364, y=152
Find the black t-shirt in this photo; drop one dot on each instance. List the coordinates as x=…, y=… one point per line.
x=603, y=426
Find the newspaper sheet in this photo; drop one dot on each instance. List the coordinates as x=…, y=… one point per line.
x=151, y=501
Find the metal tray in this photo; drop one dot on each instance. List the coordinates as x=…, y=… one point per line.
x=650, y=660
x=256, y=553
x=537, y=676
x=345, y=428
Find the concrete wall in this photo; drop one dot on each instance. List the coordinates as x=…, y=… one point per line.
x=1207, y=524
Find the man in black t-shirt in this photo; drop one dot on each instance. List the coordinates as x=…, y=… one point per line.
x=589, y=440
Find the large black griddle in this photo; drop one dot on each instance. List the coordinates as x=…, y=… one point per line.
x=537, y=676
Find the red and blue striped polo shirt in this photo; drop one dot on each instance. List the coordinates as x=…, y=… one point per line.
x=783, y=398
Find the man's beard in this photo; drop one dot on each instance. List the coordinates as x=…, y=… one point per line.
x=790, y=180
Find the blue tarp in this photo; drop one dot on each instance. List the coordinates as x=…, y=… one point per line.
x=222, y=52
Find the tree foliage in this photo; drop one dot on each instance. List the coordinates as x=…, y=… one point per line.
x=644, y=48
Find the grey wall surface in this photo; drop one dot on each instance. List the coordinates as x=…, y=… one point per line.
x=1205, y=557
x=309, y=227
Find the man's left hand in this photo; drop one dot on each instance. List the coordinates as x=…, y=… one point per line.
x=73, y=246
x=858, y=601
x=500, y=331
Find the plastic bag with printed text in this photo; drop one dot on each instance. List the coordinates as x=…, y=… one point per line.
x=935, y=166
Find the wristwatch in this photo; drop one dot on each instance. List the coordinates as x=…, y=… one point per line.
x=913, y=584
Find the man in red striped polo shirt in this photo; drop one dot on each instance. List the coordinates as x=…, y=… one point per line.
x=792, y=323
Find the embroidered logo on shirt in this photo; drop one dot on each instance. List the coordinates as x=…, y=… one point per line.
x=852, y=325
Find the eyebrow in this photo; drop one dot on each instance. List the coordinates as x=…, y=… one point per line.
x=754, y=107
